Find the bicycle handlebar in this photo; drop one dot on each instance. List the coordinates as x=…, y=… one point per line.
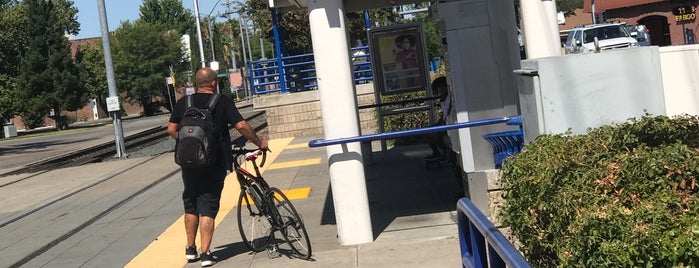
x=251, y=155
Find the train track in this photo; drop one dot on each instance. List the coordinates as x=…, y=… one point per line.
x=95, y=154
x=107, y=150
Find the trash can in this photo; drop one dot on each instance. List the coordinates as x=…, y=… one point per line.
x=504, y=144
x=10, y=131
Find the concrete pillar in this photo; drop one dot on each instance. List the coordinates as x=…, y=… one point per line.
x=340, y=119
x=540, y=27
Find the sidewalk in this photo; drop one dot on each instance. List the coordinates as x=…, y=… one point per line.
x=108, y=214
x=412, y=211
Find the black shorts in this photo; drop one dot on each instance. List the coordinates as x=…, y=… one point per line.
x=202, y=190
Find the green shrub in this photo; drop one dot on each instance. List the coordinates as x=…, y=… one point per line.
x=407, y=120
x=618, y=196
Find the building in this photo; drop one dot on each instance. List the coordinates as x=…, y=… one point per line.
x=670, y=22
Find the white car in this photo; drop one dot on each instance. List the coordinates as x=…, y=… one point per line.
x=598, y=37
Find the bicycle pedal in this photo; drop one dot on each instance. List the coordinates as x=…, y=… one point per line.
x=273, y=252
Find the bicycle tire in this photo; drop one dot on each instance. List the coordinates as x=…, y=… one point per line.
x=293, y=229
x=255, y=229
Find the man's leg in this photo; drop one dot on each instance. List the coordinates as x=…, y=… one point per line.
x=191, y=222
x=206, y=229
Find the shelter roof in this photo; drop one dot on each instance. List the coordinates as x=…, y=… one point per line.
x=349, y=5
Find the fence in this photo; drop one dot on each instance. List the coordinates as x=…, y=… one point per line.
x=298, y=72
x=481, y=244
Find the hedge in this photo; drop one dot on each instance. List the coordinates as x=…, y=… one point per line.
x=622, y=195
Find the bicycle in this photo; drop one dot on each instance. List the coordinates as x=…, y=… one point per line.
x=263, y=210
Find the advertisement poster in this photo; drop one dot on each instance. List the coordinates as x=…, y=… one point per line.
x=399, y=58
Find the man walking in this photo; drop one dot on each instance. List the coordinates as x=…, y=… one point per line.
x=203, y=186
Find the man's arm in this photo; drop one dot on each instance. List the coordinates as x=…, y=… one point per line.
x=244, y=128
x=172, y=129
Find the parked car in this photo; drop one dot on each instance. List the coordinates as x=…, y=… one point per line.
x=640, y=32
x=582, y=39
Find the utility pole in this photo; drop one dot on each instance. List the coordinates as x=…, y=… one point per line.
x=113, y=100
x=201, y=45
x=247, y=37
x=244, y=59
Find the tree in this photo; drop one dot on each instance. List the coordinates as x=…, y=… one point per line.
x=171, y=15
x=295, y=24
x=12, y=41
x=48, y=80
x=143, y=54
x=567, y=6
x=168, y=13
x=90, y=63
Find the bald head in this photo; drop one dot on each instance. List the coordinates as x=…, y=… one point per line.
x=205, y=76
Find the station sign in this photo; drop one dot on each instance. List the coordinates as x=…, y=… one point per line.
x=685, y=13
x=113, y=104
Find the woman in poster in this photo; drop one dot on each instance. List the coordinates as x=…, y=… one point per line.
x=407, y=57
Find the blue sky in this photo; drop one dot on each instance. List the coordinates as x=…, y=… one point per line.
x=122, y=10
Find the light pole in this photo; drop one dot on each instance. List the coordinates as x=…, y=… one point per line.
x=211, y=35
x=201, y=45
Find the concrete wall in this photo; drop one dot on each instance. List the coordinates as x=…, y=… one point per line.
x=577, y=92
x=298, y=114
x=680, y=71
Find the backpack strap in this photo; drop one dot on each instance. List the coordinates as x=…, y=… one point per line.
x=188, y=98
x=212, y=102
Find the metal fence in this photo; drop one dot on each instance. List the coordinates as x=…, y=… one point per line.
x=298, y=72
x=481, y=244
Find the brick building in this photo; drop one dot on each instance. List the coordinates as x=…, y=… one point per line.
x=670, y=22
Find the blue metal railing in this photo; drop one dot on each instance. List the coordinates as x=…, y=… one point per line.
x=474, y=228
x=481, y=243
x=412, y=132
x=298, y=73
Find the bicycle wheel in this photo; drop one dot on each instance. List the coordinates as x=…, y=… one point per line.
x=293, y=229
x=255, y=229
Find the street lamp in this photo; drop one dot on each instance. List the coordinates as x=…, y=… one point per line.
x=211, y=34
x=201, y=48
x=201, y=45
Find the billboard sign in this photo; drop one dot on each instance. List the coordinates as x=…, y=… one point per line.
x=399, y=58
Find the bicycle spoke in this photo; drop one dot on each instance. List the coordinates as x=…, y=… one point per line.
x=292, y=229
x=253, y=225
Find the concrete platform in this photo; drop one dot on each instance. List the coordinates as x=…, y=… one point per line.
x=128, y=214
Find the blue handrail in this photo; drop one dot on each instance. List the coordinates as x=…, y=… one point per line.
x=481, y=243
x=298, y=73
x=411, y=132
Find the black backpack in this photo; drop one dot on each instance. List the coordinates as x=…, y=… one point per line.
x=198, y=142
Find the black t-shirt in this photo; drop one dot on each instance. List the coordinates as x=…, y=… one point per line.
x=224, y=113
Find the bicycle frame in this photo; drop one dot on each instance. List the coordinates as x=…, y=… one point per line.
x=262, y=201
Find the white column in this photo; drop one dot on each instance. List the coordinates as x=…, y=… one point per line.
x=340, y=119
x=540, y=29
x=552, y=21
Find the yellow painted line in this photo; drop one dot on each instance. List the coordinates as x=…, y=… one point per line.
x=297, y=145
x=167, y=250
x=297, y=163
x=292, y=194
x=297, y=193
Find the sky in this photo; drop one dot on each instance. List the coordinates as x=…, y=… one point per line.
x=122, y=10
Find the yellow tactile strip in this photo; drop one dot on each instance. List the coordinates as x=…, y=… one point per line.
x=167, y=249
x=292, y=194
x=297, y=145
x=297, y=163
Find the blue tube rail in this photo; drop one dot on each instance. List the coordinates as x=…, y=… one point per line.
x=411, y=132
x=481, y=243
x=297, y=73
